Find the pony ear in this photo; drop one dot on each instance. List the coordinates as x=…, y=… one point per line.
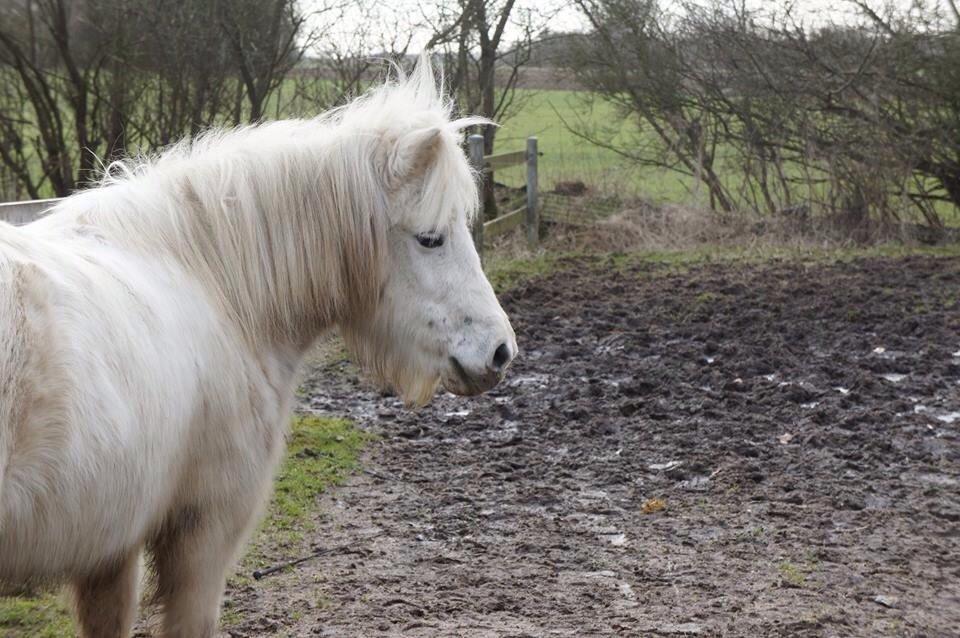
x=411, y=155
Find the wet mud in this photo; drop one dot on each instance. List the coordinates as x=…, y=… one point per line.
x=732, y=450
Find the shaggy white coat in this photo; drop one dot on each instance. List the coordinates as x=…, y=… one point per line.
x=151, y=328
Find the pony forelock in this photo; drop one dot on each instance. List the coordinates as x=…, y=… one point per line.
x=407, y=103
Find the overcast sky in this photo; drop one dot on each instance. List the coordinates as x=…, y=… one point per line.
x=402, y=17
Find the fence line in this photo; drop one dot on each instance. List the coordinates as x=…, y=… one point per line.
x=527, y=214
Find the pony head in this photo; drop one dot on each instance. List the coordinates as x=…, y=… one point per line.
x=435, y=319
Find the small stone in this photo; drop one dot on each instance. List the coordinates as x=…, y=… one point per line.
x=629, y=408
x=696, y=484
x=669, y=465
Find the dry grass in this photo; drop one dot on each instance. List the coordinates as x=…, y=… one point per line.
x=601, y=225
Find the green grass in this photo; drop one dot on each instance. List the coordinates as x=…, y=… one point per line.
x=44, y=616
x=799, y=574
x=792, y=574
x=549, y=115
x=507, y=273
x=321, y=452
x=565, y=157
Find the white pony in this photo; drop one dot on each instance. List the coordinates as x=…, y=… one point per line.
x=151, y=329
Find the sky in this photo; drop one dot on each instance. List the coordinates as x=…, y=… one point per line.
x=401, y=19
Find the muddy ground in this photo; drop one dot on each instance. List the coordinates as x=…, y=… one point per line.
x=767, y=450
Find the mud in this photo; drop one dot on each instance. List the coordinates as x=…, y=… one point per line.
x=767, y=450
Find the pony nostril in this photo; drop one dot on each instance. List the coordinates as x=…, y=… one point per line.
x=501, y=357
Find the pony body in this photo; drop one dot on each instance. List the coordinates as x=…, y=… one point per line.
x=151, y=330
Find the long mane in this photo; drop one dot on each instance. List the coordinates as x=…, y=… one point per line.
x=284, y=223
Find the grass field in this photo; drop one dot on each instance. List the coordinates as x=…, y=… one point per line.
x=566, y=157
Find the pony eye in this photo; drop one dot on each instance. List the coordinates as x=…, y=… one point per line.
x=430, y=240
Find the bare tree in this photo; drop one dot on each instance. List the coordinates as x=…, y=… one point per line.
x=769, y=115
x=483, y=68
x=56, y=74
x=637, y=60
x=265, y=38
x=91, y=79
x=185, y=69
x=351, y=44
x=16, y=151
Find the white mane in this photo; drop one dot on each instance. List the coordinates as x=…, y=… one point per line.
x=258, y=213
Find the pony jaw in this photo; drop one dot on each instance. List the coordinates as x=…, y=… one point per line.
x=411, y=374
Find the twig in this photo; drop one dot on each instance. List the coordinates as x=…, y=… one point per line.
x=382, y=477
x=263, y=573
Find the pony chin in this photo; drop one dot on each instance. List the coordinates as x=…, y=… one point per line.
x=417, y=390
x=414, y=387
x=407, y=374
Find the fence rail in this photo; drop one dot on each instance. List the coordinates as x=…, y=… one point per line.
x=527, y=214
x=503, y=160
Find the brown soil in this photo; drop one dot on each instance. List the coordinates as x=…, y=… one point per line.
x=728, y=451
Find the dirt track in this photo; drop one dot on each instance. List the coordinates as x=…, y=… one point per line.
x=799, y=424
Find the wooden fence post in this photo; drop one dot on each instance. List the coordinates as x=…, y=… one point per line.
x=533, y=215
x=476, y=160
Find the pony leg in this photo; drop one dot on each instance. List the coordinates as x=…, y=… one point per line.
x=106, y=601
x=191, y=558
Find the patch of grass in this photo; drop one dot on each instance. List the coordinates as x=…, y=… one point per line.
x=566, y=157
x=230, y=617
x=322, y=602
x=43, y=616
x=791, y=574
x=320, y=452
x=895, y=250
x=505, y=274
x=681, y=260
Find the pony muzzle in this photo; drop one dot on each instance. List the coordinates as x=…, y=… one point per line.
x=468, y=380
